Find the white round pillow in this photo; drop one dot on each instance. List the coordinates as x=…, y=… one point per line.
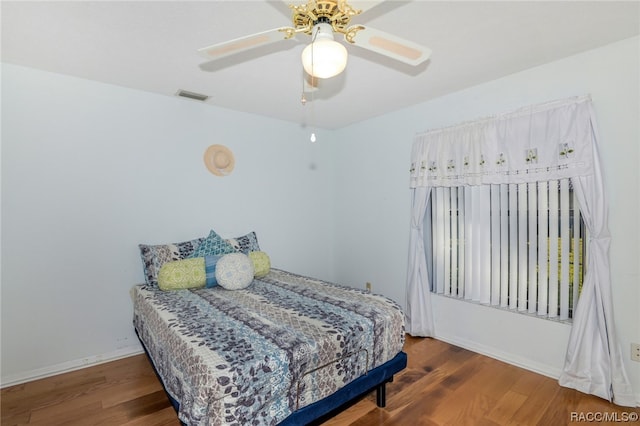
x=234, y=271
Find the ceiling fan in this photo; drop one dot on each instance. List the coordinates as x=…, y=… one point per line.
x=324, y=57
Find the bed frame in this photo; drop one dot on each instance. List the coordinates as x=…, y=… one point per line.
x=374, y=379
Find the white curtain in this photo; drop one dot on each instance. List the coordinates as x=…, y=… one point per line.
x=544, y=142
x=593, y=362
x=419, y=315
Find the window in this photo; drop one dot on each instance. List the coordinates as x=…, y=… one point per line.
x=512, y=243
x=512, y=246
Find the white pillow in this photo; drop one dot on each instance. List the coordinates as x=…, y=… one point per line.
x=234, y=271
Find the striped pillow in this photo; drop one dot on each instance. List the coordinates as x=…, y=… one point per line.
x=210, y=262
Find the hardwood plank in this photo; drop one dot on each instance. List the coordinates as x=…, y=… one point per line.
x=442, y=385
x=71, y=413
x=506, y=407
x=164, y=417
x=541, y=392
x=353, y=413
x=127, y=390
x=465, y=405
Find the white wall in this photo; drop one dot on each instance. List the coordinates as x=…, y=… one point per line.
x=372, y=201
x=91, y=170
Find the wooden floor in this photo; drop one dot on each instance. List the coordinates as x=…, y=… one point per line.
x=442, y=385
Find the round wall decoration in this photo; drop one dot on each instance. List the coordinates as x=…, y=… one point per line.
x=219, y=160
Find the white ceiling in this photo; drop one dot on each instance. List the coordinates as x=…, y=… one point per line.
x=151, y=46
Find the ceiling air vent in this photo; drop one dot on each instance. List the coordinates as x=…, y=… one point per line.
x=192, y=95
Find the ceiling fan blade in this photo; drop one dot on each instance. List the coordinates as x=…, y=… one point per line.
x=357, y=5
x=387, y=44
x=231, y=47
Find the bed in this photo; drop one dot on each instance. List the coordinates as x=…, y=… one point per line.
x=286, y=349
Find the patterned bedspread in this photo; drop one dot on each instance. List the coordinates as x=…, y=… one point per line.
x=254, y=356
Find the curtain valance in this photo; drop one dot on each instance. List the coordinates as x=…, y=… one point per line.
x=542, y=142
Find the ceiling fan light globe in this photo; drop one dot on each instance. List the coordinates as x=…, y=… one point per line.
x=324, y=58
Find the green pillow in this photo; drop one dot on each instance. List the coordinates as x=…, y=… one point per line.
x=261, y=263
x=182, y=274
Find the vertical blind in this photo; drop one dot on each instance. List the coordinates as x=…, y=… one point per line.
x=512, y=246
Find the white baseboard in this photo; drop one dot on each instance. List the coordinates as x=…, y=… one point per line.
x=40, y=373
x=545, y=370
x=509, y=358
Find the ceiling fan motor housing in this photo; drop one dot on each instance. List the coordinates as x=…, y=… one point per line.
x=307, y=15
x=322, y=20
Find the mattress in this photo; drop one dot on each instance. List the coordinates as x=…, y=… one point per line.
x=257, y=355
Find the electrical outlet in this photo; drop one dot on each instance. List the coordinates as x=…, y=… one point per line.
x=368, y=287
x=635, y=352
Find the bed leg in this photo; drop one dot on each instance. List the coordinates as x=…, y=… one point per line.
x=381, y=395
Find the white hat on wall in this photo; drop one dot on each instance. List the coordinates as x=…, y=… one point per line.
x=219, y=160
